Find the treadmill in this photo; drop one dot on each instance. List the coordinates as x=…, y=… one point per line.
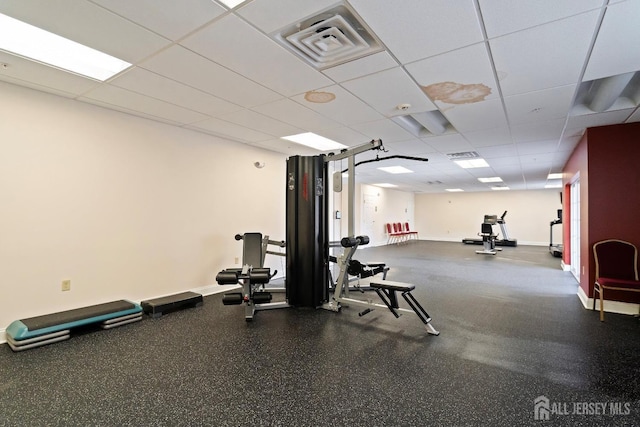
x=555, y=250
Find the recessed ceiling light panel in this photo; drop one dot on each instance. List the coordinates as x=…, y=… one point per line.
x=312, y=140
x=36, y=44
x=395, y=169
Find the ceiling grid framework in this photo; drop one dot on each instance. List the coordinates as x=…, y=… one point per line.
x=515, y=82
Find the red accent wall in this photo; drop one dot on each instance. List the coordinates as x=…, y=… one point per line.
x=608, y=161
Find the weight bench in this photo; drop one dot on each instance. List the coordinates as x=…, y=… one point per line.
x=50, y=328
x=386, y=290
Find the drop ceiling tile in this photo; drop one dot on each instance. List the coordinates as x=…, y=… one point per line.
x=537, y=131
x=577, y=123
x=543, y=160
x=504, y=165
x=291, y=112
x=345, y=108
x=497, y=151
x=506, y=16
x=462, y=76
x=133, y=101
x=196, y=71
x=361, y=67
x=287, y=147
x=616, y=48
x=89, y=24
x=345, y=135
x=376, y=91
x=450, y=144
x=546, y=56
x=635, y=117
x=271, y=15
x=168, y=18
x=50, y=79
x=412, y=147
x=229, y=130
x=260, y=123
x=131, y=112
x=153, y=85
x=538, y=147
x=540, y=106
x=489, y=137
x=416, y=29
x=236, y=45
x=35, y=86
x=478, y=116
x=386, y=130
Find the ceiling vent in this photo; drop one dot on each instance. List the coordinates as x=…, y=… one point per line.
x=465, y=155
x=329, y=38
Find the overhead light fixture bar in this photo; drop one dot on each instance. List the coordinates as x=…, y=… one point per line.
x=554, y=176
x=385, y=185
x=454, y=190
x=317, y=142
x=501, y=188
x=22, y=39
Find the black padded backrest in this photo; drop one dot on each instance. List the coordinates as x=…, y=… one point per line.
x=486, y=228
x=252, y=250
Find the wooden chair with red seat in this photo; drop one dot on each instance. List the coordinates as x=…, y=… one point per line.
x=392, y=237
x=397, y=228
x=616, y=272
x=409, y=233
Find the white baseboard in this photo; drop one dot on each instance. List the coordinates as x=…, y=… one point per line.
x=617, y=307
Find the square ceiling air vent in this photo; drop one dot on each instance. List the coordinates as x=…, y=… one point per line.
x=464, y=155
x=329, y=38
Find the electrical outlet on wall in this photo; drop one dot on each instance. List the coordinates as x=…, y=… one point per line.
x=66, y=285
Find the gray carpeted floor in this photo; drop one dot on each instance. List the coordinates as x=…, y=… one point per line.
x=511, y=330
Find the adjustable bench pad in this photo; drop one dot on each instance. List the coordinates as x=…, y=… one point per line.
x=392, y=286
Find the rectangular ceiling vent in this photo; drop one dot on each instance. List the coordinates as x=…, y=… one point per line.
x=329, y=38
x=465, y=155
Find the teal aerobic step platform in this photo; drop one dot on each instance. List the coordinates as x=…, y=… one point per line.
x=50, y=328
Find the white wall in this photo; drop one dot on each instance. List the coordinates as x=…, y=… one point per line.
x=454, y=216
x=124, y=207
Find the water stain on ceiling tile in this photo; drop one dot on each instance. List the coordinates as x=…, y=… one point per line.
x=319, y=97
x=457, y=93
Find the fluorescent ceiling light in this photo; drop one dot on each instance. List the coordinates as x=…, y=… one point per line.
x=231, y=3
x=395, y=169
x=454, y=190
x=34, y=43
x=499, y=188
x=491, y=179
x=554, y=176
x=473, y=163
x=385, y=184
x=312, y=140
x=558, y=185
